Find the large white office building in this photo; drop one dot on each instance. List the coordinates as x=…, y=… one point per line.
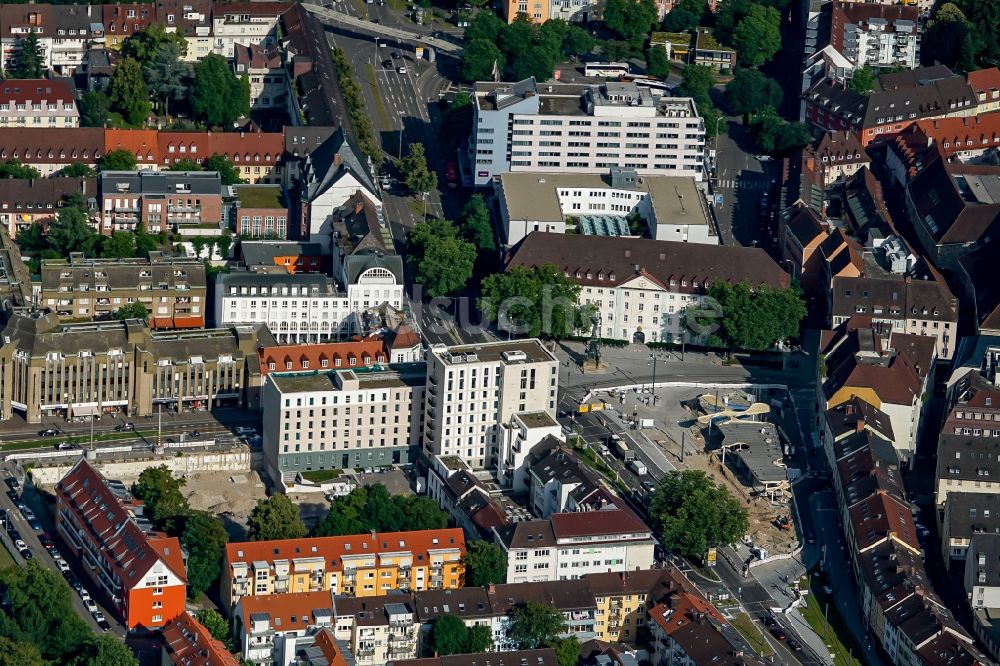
x=574, y=128
x=474, y=391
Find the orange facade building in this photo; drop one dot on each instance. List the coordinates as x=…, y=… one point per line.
x=141, y=571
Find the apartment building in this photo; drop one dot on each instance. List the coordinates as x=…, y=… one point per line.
x=24, y=202
x=270, y=629
x=300, y=307
x=968, y=452
x=260, y=211
x=280, y=256
x=366, y=354
x=49, y=370
x=140, y=571
x=640, y=287
x=574, y=128
x=690, y=630
x=173, y=289
x=841, y=155
x=539, y=657
x=51, y=150
x=121, y=21
x=342, y=419
x=38, y=103
x=567, y=546
x=986, y=84
x=536, y=11
x=521, y=436
x=966, y=515
x=871, y=35
x=248, y=23
x=264, y=67
x=897, y=101
x=670, y=208
x=365, y=565
x=64, y=34
x=175, y=201
x=186, y=642
x=379, y=630
x=982, y=571
x=474, y=390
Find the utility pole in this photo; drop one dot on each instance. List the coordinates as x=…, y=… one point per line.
x=159, y=425
x=682, y=445
x=92, y=433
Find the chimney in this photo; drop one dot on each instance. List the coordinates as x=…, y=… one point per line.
x=859, y=425
x=491, y=588
x=358, y=207
x=338, y=160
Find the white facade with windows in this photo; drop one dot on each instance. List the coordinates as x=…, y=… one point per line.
x=571, y=128
x=474, y=391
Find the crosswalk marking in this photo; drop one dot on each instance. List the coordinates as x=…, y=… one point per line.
x=732, y=184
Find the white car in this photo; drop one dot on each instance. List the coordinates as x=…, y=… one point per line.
x=28, y=514
x=245, y=430
x=98, y=615
x=20, y=545
x=401, y=69
x=89, y=604
x=85, y=596
x=63, y=566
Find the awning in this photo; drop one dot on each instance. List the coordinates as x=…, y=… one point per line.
x=85, y=410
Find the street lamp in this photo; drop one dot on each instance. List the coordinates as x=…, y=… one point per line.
x=653, y=357
x=717, y=121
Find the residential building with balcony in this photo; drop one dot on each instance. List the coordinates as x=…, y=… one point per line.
x=193, y=20
x=121, y=21
x=173, y=289
x=38, y=103
x=687, y=629
x=377, y=630
x=264, y=67
x=24, y=202
x=249, y=23
x=341, y=414
x=140, y=571
x=567, y=546
x=577, y=128
x=520, y=438
x=364, y=565
x=186, y=642
x=641, y=288
x=474, y=391
x=874, y=35
x=64, y=33
x=175, y=201
x=49, y=370
x=270, y=628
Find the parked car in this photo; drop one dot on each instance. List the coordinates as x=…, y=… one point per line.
x=196, y=433
x=794, y=645
x=387, y=64
x=29, y=515
x=91, y=605
x=26, y=554
x=770, y=621
x=649, y=486
x=778, y=633
x=395, y=55
x=3, y=516
x=103, y=624
x=65, y=445
x=14, y=497
x=35, y=525
x=19, y=544
x=401, y=69
x=245, y=430
x=62, y=565
x=48, y=432
x=12, y=483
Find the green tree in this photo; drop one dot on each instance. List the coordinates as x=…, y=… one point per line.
x=697, y=82
x=577, y=41
x=144, y=243
x=277, y=517
x=479, y=59
x=448, y=635
x=863, y=80
x=14, y=169
x=71, y=232
x=567, y=650
x=630, y=19
x=228, y=172
x=439, y=259
x=692, y=514
x=133, y=310
x=160, y=491
x=76, y=170
x=533, y=625
x=476, y=225
x=13, y=653
x=204, y=538
x=38, y=610
x=198, y=245
x=186, y=164
x=484, y=25
x=538, y=301
x=127, y=92
x=485, y=563
x=143, y=46
x=95, y=109
x=751, y=91
x=29, y=61
x=775, y=135
x=478, y=639
x=165, y=74
x=728, y=14
x=373, y=508
x=217, y=625
x=217, y=97
x=756, y=318
x=657, y=63
x=758, y=36
x=118, y=159
x=418, y=178
x=224, y=243
x=107, y=650
x=948, y=39
x=680, y=19
x=119, y=245
x=984, y=19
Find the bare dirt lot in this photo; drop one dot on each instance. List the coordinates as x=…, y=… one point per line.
x=233, y=495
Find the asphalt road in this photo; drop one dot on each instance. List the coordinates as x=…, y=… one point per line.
x=741, y=180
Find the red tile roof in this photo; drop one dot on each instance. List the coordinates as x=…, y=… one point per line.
x=681, y=610
x=954, y=135
x=333, y=549
x=118, y=23
x=52, y=146
x=285, y=610
x=597, y=523
x=140, y=142
x=242, y=148
x=368, y=352
x=880, y=516
x=221, y=9
x=327, y=644
x=189, y=643
x=108, y=523
x=984, y=81
x=26, y=91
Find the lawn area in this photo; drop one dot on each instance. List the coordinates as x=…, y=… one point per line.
x=833, y=633
x=6, y=559
x=321, y=475
x=383, y=115
x=753, y=635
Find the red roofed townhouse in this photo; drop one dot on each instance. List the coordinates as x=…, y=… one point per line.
x=140, y=570
x=323, y=356
x=51, y=150
x=188, y=643
x=986, y=84
x=963, y=138
x=38, y=103
x=140, y=142
x=121, y=21
x=255, y=154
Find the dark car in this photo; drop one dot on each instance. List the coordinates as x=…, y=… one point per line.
x=125, y=427
x=14, y=497
x=12, y=483
x=196, y=433
x=387, y=64
x=770, y=621
x=48, y=432
x=794, y=645
x=47, y=542
x=26, y=554
x=3, y=516
x=103, y=624
x=395, y=55
x=778, y=633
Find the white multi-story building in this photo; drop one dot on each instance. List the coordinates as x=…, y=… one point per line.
x=670, y=207
x=38, y=103
x=567, y=546
x=474, y=391
x=367, y=416
x=248, y=23
x=573, y=128
x=641, y=288
x=870, y=34
x=310, y=307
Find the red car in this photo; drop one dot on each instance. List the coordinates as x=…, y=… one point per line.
x=451, y=173
x=778, y=633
